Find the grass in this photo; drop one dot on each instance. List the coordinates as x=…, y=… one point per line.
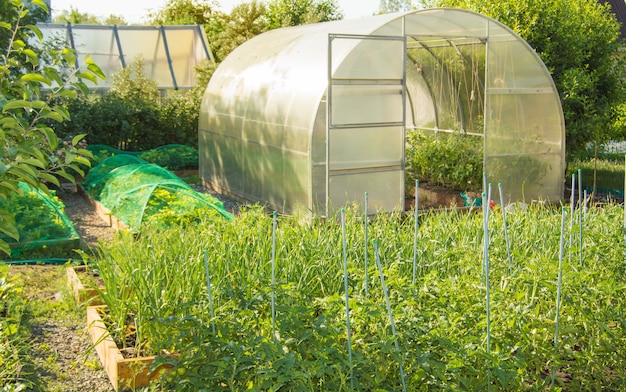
x=609, y=173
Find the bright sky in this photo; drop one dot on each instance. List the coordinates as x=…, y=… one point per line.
x=134, y=11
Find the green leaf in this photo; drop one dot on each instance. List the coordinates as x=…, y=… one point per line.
x=82, y=87
x=5, y=25
x=53, y=74
x=50, y=178
x=17, y=104
x=33, y=77
x=88, y=76
x=53, y=116
x=33, y=162
x=76, y=139
x=69, y=56
x=66, y=175
x=4, y=247
x=36, y=30
x=41, y=4
x=93, y=67
x=72, y=94
x=63, y=112
x=30, y=53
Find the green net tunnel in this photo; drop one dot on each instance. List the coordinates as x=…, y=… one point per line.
x=137, y=193
x=44, y=229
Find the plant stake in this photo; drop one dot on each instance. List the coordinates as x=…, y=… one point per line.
x=506, y=230
x=580, y=213
x=487, y=268
x=558, y=288
x=345, y=283
x=365, y=228
x=208, y=284
x=273, y=274
x=415, y=234
x=572, y=208
x=393, y=327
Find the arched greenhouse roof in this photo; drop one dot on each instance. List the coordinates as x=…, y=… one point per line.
x=316, y=115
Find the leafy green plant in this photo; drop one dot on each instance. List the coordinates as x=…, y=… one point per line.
x=14, y=345
x=42, y=226
x=133, y=116
x=453, y=160
x=160, y=279
x=28, y=142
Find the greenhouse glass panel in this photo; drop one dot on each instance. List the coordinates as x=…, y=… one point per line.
x=170, y=53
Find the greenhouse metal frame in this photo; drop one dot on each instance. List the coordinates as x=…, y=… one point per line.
x=170, y=54
x=313, y=117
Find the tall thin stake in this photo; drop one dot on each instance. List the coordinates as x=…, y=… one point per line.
x=415, y=234
x=274, y=275
x=625, y=206
x=208, y=285
x=572, y=208
x=559, y=285
x=506, y=230
x=345, y=283
x=365, y=230
x=487, y=285
x=388, y=302
x=580, y=214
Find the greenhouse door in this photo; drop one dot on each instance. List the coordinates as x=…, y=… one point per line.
x=365, y=121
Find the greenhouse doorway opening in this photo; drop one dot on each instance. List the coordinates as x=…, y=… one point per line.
x=366, y=121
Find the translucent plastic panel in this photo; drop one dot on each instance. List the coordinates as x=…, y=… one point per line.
x=512, y=66
x=102, y=46
x=185, y=53
x=368, y=59
x=526, y=177
x=384, y=188
x=446, y=22
x=149, y=45
x=523, y=123
x=365, y=104
x=366, y=147
x=186, y=44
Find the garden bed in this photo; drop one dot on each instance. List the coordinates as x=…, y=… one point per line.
x=103, y=212
x=84, y=294
x=124, y=373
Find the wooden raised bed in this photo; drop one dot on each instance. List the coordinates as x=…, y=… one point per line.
x=104, y=213
x=82, y=293
x=124, y=373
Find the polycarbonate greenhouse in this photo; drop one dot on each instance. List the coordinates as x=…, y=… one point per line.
x=170, y=54
x=312, y=117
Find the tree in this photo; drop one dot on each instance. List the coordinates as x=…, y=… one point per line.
x=226, y=32
x=283, y=13
x=74, y=16
x=387, y=6
x=180, y=12
x=31, y=151
x=578, y=41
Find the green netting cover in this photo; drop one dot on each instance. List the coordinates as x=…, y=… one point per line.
x=41, y=222
x=137, y=193
x=170, y=156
